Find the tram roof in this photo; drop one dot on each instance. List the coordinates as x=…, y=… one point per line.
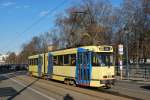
x=103, y=48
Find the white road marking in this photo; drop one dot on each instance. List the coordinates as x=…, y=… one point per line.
x=38, y=92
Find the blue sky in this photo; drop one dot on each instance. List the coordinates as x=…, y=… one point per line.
x=17, y=15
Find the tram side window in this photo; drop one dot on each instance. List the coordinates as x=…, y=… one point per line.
x=29, y=62
x=60, y=60
x=55, y=61
x=73, y=59
x=33, y=61
x=66, y=60
x=36, y=61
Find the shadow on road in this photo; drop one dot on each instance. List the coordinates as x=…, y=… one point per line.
x=7, y=91
x=11, y=74
x=20, y=73
x=17, y=93
x=147, y=87
x=68, y=97
x=3, y=78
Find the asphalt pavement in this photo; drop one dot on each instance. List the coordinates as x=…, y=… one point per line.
x=17, y=86
x=136, y=90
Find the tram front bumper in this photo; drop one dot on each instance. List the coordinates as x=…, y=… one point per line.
x=110, y=82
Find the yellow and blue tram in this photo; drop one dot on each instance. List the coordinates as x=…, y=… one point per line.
x=87, y=66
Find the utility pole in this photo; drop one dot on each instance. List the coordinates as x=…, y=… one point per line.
x=44, y=58
x=127, y=56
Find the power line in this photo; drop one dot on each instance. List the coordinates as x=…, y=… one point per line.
x=40, y=19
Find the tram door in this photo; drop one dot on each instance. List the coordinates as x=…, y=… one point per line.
x=83, y=67
x=40, y=62
x=50, y=65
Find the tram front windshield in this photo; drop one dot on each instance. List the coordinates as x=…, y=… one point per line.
x=102, y=59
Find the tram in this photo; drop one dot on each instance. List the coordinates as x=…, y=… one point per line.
x=91, y=66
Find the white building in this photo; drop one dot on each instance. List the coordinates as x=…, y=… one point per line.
x=2, y=58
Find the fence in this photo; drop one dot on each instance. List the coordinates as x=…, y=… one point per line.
x=141, y=71
x=12, y=67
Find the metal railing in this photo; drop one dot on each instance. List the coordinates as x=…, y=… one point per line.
x=141, y=71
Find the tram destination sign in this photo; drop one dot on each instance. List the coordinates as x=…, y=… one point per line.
x=106, y=48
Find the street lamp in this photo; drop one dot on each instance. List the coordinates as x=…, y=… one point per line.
x=127, y=56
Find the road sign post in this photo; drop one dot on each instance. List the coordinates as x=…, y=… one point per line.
x=120, y=51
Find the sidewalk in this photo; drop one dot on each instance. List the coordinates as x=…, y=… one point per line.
x=133, y=80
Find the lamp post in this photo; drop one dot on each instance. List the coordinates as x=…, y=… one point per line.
x=127, y=56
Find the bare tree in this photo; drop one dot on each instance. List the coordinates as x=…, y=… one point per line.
x=11, y=59
x=89, y=23
x=132, y=18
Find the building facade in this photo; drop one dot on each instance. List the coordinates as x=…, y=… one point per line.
x=3, y=58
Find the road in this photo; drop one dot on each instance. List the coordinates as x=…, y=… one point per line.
x=133, y=89
x=18, y=86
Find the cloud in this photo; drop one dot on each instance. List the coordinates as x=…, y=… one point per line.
x=25, y=6
x=7, y=4
x=44, y=13
x=18, y=7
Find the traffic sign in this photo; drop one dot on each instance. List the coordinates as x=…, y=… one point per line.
x=120, y=49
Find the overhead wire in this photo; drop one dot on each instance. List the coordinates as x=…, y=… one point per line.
x=41, y=18
x=38, y=20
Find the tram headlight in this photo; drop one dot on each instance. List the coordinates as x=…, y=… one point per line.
x=105, y=76
x=113, y=76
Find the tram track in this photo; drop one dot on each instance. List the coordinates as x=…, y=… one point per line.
x=97, y=90
x=87, y=91
x=44, y=85
x=94, y=89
